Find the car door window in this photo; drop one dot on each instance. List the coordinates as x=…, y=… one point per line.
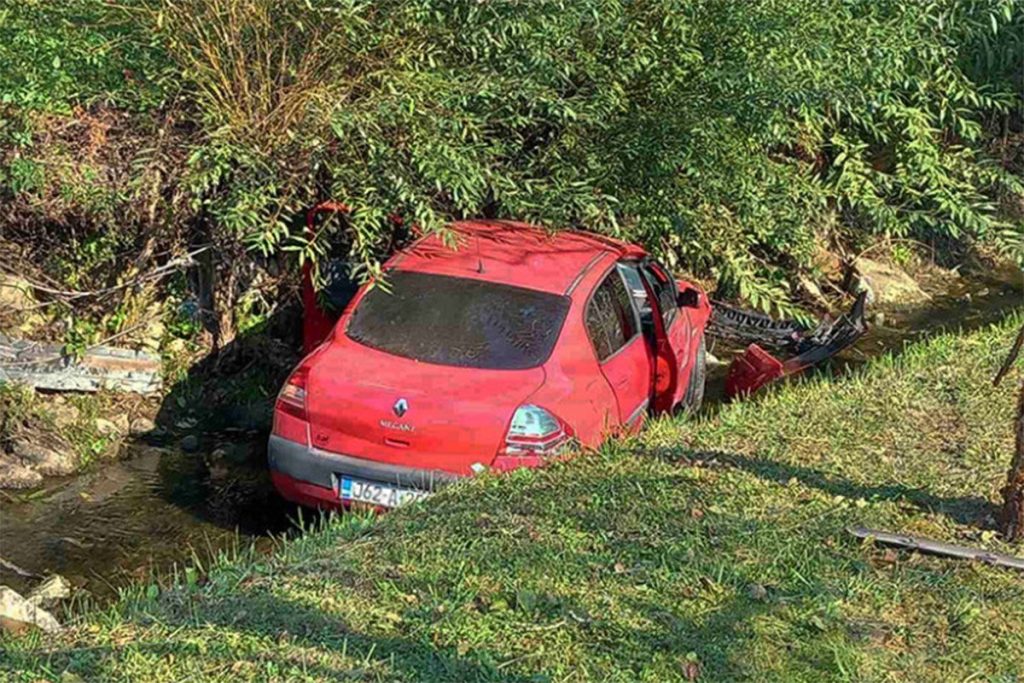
x=631, y=274
x=610, y=318
x=665, y=289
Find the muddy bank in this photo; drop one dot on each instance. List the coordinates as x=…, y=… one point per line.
x=45, y=435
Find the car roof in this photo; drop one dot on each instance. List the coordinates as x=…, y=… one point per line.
x=511, y=253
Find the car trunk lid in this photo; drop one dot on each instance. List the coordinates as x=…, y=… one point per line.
x=370, y=404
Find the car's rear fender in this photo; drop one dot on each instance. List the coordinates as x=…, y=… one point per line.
x=574, y=388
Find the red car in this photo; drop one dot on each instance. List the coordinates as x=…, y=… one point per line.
x=497, y=353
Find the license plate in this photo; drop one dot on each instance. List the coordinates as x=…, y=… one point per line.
x=377, y=493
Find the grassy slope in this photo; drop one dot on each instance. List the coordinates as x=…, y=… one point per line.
x=717, y=545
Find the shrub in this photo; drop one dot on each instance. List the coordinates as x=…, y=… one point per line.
x=730, y=137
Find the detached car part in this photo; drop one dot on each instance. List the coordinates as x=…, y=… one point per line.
x=48, y=366
x=757, y=367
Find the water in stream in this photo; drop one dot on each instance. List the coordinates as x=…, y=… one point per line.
x=126, y=520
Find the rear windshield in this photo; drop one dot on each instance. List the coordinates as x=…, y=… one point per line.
x=460, y=322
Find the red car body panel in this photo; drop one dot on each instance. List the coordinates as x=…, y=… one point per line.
x=459, y=417
x=461, y=414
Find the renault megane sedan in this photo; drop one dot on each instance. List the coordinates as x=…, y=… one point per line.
x=500, y=351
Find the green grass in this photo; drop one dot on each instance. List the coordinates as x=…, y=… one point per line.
x=714, y=548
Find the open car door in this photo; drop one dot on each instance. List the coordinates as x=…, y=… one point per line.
x=672, y=315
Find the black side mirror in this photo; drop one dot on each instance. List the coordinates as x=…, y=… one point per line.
x=688, y=298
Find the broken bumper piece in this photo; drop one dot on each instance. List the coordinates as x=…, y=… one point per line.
x=756, y=367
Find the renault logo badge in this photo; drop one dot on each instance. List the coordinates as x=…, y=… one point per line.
x=401, y=407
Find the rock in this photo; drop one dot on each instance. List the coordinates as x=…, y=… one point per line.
x=64, y=414
x=885, y=283
x=16, y=294
x=105, y=427
x=1006, y=272
x=141, y=425
x=52, y=589
x=49, y=462
x=18, y=304
x=14, y=608
x=758, y=592
x=122, y=422
x=190, y=443
x=153, y=335
x=14, y=474
x=176, y=347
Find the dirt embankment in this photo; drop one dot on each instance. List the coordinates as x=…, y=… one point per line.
x=52, y=435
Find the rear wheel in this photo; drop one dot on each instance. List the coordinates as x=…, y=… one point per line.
x=694, y=396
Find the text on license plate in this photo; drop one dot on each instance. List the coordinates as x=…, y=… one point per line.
x=377, y=493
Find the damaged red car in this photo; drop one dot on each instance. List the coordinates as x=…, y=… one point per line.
x=500, y=352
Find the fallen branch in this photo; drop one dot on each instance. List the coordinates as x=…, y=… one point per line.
x=150, y=276
x=932, y=547
x=1011, y=358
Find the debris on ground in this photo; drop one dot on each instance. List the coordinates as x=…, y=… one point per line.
x=10, y=566
x=933, y=547
x=52, y=590
x=48, y=366
x=756, y=367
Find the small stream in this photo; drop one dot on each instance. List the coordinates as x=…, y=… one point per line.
x=133, y=519
x=136, y=518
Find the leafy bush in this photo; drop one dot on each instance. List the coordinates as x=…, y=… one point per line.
x=730, y=137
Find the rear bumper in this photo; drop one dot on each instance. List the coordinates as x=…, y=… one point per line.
x=301, y=467
x=305, y=494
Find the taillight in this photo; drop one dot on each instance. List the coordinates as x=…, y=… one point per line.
x=533, y=434
x=292, y=398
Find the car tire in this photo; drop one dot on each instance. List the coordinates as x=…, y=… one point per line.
x=694, y=396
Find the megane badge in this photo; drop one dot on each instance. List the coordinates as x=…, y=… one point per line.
x=401, y=407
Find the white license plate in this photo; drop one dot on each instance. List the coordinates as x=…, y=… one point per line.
x=376, y=493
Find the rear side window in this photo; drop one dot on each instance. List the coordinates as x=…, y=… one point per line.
x=459, y=322
x=611, y=321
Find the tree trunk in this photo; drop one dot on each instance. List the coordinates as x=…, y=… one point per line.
x=1011, y=518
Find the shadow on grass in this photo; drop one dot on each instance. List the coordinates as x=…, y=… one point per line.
x=289, y=639
x=967, y=510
